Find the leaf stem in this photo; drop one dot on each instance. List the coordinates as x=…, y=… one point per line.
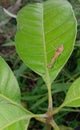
x=54, y=125
x=50, y=104
x=57, y=109
x=50, y=98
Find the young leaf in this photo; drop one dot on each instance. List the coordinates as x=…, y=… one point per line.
x=73, y=95
x=8, y=83
x=42, y=28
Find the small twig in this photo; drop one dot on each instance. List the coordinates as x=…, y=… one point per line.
x=13, y=9
x=9, y=14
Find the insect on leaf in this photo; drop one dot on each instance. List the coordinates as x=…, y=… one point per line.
x=56, y=55
x=43, y=27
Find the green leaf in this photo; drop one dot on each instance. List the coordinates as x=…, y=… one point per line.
x=8, y=83
x=13, y=115
x=73, y=95
x=19, y=125
x=42, y=28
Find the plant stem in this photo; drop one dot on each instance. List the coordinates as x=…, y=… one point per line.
x=50, y=110
x=48, y=127
x=57, y=109
x=54, y=125
x=50, y=105
x=50, y=98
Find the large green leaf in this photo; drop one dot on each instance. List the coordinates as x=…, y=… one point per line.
x=8, y=83
x=73, y=95
x=12, y=115
x=42, y=28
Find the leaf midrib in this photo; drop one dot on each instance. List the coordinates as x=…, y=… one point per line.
x=44, y=48
x=43, y=34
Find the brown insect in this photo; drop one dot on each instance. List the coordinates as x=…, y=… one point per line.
x=55, y=56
